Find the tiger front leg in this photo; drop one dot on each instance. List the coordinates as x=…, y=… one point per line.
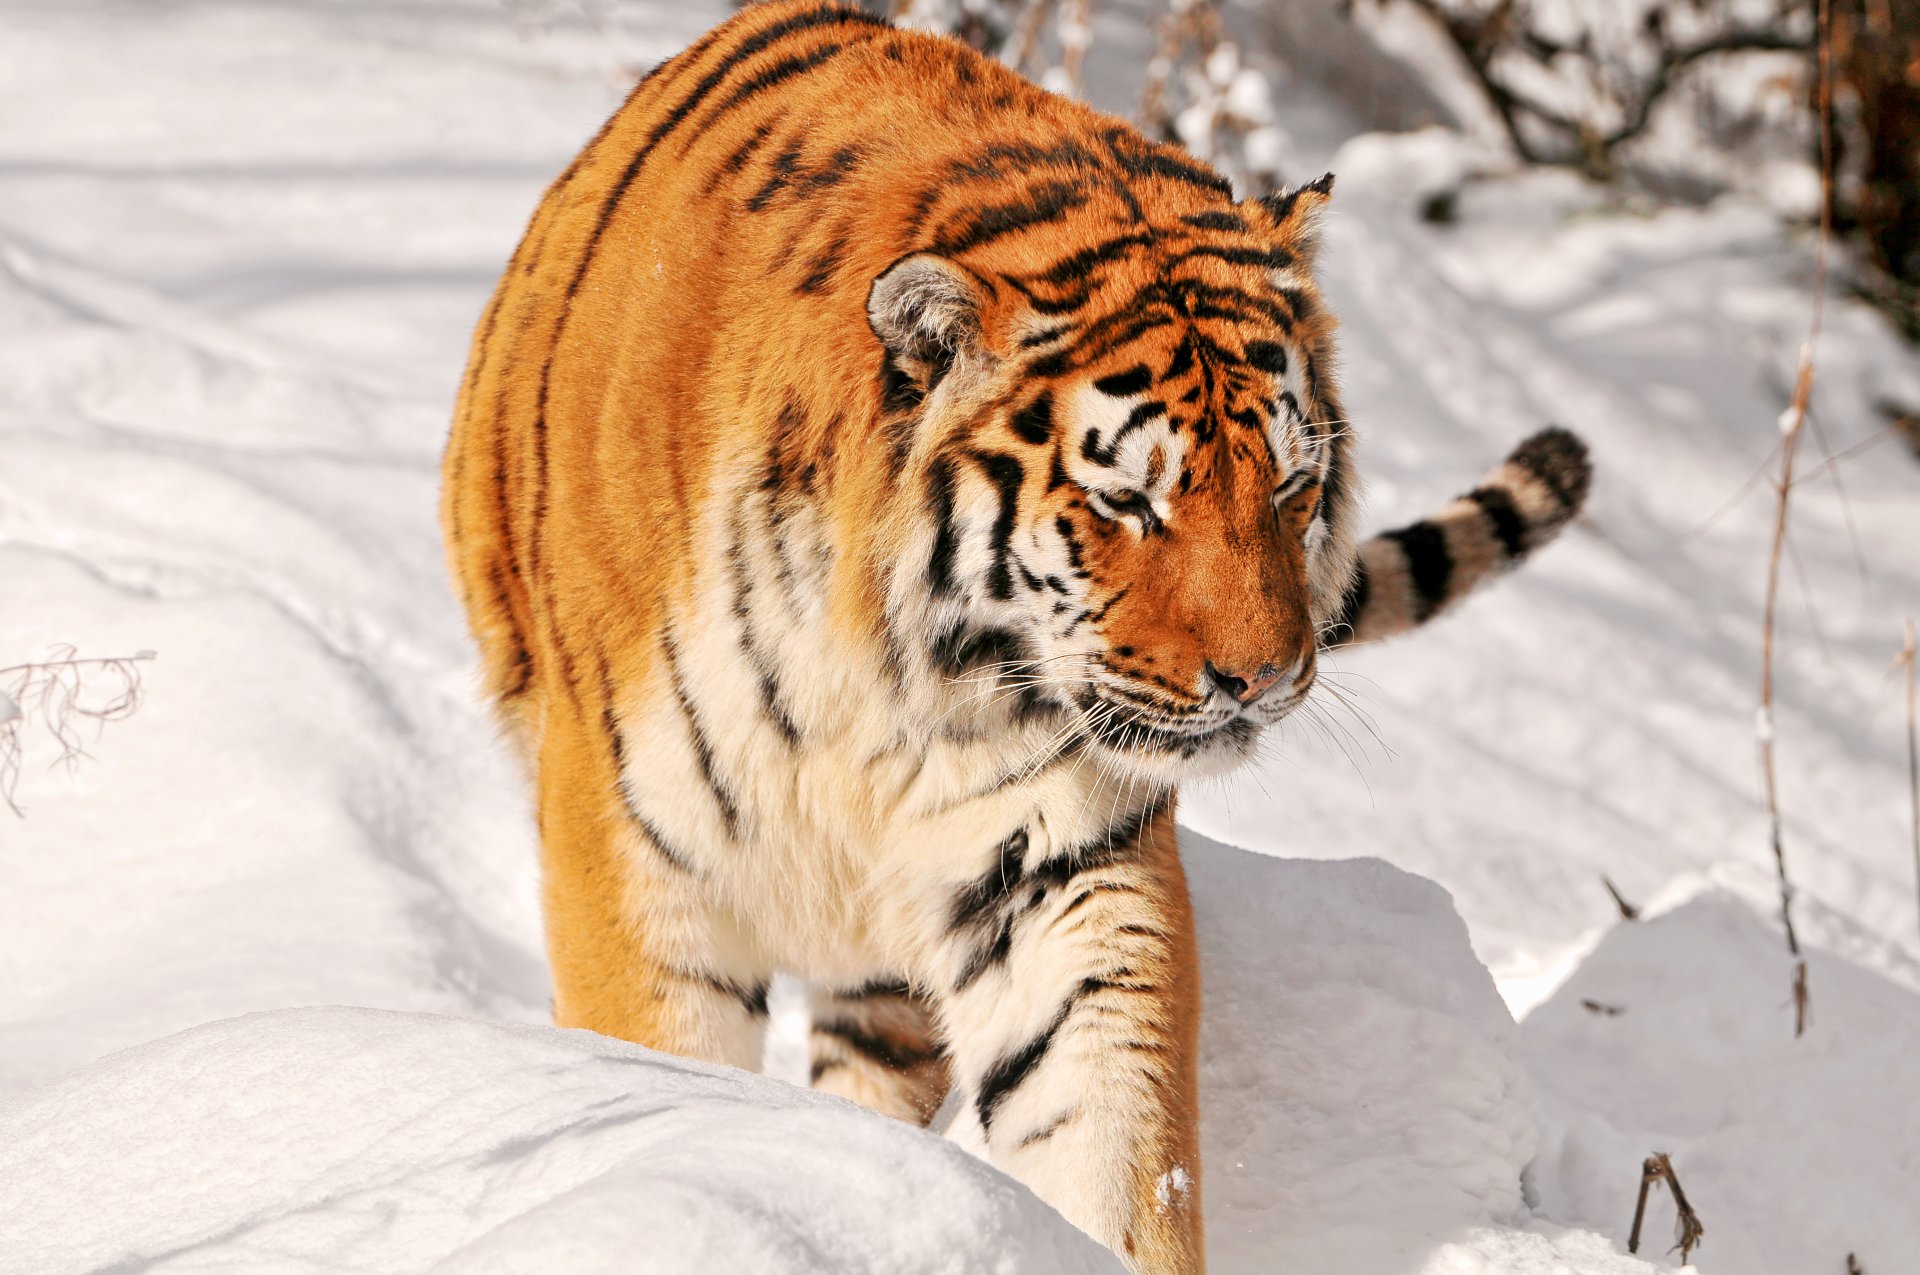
x=1072, y=1016
x=876, y=1044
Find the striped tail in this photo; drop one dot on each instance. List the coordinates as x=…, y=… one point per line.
x=1406, y=577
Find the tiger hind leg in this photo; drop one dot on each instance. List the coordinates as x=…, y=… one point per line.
x=877, y=1045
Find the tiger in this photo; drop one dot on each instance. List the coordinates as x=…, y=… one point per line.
x=876, y=485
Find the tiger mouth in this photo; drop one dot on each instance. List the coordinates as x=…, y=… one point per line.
x=1125, y=728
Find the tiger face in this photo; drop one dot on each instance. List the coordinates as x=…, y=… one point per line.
x=1137, y=517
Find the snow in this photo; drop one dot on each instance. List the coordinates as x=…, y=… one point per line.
x=1364, y=1112
x=330, y=1139
x=1810, y=1135
x=238, y=268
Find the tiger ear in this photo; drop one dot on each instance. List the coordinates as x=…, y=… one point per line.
x=1297, y=215
x=926, y=310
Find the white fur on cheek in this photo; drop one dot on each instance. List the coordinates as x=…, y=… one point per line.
x=1105, y=416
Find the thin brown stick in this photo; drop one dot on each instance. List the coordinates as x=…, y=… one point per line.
x=1913, y=754
x=1075, y=28
x=1793, y=424
x=1026, y=39
x=1628, y=912
x=1688, y=1233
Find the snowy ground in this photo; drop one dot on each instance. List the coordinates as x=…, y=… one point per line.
x=241, y=245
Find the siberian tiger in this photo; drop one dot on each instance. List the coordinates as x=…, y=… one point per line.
x=876, y=484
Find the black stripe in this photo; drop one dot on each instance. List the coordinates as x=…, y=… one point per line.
x=1006, y=474
x=1213, y=220
x=1070, y=269
x=784, y=165
x=826, y=15
x=1034, y=422
x=893, y=1055
x=963, y=646
x=820, y=269
x=1048, y=1129
x=1115, y=844
x=1091, y=448
x=675, y=857
x=1507, y=522
x=1162, y=161
x=702, y=747
x=982, y=896
x=1002, y=161
x=1265, y=258
x=742, y=153
x=876, y=989
x=1429, y=564
x=1135, y=380
x=759, y=82
x=1045, y=204
x=1559, y=460
x=1268, y=356
x=1182, y=358
x=520, y=659
x=987, y=955
x=617, y=747
x=946, y=539
x=1012, y=1070
x=1297, y=300
x=751, y=996
x=757, y=659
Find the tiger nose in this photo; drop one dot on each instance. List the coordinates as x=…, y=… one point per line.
x=1246, y=685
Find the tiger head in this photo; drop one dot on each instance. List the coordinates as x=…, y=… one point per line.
x=1131, y=471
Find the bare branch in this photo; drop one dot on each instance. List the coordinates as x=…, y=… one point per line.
x=1628, y=912
x=1688, y=1232
x=1913, y=753
x=1793, y=423
x=1483, y=38
x=59, y=695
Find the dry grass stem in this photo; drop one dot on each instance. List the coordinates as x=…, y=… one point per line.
x=61, y=695
x=1687, y=1230
x=1793, y=423
x=1628, y=912
x=1913, y=754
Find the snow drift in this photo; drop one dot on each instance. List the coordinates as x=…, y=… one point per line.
x=1363, y=1113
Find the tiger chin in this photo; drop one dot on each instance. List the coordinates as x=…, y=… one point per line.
x=875, y=485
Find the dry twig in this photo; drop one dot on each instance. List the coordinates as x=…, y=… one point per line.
x=58, y=694
x=1793, y=424
x=1488, y=35
x=1628, y=912
x=1913, y=753
x=1687, y=1231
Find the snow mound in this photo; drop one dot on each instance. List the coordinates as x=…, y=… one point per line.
x=1363, y=1114
x=1362, y=1111
x=1676, y=1035
x=322, y=1139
